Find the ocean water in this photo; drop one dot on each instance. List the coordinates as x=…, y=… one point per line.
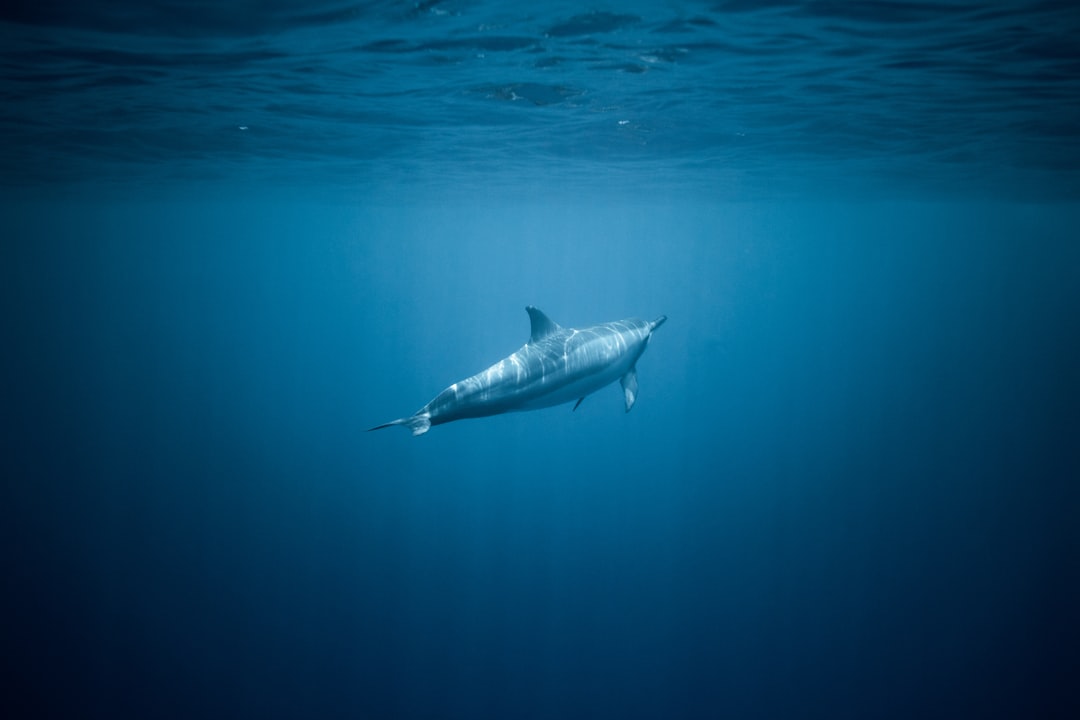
x=233, y=237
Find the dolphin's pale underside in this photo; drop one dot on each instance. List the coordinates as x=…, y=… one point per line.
x=556, y=366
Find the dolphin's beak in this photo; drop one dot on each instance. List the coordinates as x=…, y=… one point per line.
x=658, y=322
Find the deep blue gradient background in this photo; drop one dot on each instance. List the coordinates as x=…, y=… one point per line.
x=848, y=488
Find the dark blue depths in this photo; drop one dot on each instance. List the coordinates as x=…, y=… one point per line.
x=847, y=488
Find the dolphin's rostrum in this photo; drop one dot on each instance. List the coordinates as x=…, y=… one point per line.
x=556, y=366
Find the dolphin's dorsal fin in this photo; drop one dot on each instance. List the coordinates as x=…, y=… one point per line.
x=542, y=325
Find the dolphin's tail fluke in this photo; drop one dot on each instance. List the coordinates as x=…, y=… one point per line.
x=419, y=424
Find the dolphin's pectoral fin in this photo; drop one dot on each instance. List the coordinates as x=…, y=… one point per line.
x=629, y=386
x=580, y=400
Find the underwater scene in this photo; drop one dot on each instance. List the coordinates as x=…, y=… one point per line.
x=467, y=359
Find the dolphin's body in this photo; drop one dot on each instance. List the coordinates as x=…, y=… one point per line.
x=556, y=366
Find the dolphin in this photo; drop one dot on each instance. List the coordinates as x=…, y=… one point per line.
x=556, y=366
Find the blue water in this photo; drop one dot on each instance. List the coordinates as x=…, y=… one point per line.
x=235, y=236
